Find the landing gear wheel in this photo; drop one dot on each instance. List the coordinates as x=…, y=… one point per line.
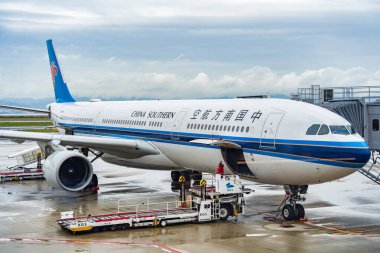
x=300, y=211
x=197, y=175
x=225, y=211
x=175, y=175
x=163, y=223
x=94, y=181
x=288, y=212
x=187, y=175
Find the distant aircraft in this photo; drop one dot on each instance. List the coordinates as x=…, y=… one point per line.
x=271, y=141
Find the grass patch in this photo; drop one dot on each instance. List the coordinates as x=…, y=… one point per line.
x=48, y=130
x=24, y=119
x=25, y=123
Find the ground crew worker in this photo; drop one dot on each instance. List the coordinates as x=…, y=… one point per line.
x=220, y=169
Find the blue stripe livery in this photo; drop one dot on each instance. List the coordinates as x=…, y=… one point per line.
x=62, y=93
x=346, y=154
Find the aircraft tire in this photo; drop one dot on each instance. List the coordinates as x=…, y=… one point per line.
x=187, y=175
x=94, y=181
x=197, y=175
x=175, y=174
x=288, y=212
x=300, y=211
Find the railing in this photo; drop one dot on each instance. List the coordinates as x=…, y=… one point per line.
x=316, y=94
x=157, y=207
x=142, y=201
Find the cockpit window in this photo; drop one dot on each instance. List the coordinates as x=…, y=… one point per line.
x=323, y=130
x=313, y=130
x=351, y=129
x=339, y=130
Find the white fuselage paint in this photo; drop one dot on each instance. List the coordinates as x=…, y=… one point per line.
x=274, y=143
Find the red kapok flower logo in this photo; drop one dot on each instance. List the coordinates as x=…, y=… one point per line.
x=54, y=71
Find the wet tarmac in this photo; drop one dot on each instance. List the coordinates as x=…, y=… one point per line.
x=343, y=216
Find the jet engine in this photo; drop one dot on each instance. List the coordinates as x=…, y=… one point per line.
x=69, y=170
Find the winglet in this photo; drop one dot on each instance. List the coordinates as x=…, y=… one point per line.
x=62, y=93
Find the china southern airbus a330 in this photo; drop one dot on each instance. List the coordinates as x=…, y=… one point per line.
x=271, y=141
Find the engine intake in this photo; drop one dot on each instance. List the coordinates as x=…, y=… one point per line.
x=69, y=170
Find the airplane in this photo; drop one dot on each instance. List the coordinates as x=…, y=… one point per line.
x=265, y=140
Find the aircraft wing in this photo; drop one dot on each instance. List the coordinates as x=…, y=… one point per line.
x=121, y=147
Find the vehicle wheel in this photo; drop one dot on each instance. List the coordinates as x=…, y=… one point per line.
x=288, y=212
x=113, y=227
x=225, y=211
x=175, y=175
x=300, y=211
x=125, y=226
x=163, y=223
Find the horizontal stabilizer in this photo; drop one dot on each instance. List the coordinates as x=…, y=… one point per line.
x=26, y=109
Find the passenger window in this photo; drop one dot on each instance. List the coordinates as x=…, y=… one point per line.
x=375, y=125
x=213, y=127
x=313, y=130
x=247, y=129
x=233, y=128
x=237, y=129
x=324, y=130
x=209, y=127
x=228, y=129
x=217, y=127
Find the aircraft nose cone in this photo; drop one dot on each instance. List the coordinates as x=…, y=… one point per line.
x=365, y=156
x=361, y=155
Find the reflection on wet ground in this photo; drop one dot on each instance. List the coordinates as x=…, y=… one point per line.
x=344, y=216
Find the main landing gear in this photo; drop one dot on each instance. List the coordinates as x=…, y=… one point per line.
x=188, y=174
x=291, y=210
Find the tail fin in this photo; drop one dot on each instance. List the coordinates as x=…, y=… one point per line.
x=62, y=93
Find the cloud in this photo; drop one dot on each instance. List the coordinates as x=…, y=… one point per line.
x=42, y=15
x=28, y=16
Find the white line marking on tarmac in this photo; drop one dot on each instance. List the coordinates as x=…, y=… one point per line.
x=255, y=235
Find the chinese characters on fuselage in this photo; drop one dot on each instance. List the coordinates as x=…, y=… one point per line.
x=225, y=115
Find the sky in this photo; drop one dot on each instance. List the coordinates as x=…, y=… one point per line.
x=166, y=49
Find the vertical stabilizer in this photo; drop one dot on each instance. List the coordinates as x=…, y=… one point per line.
x=62, y=93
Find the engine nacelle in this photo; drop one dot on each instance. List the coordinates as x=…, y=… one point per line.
x=69, y=170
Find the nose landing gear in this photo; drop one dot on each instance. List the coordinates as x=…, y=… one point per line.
x=291, y=210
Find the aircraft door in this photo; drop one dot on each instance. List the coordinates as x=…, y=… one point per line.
x=374, y=131
x=269, y=131
x=177, y=124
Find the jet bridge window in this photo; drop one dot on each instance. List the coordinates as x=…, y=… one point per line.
x=375, y=125
x=339, y=130
x=313, y=130
x=324, y=130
